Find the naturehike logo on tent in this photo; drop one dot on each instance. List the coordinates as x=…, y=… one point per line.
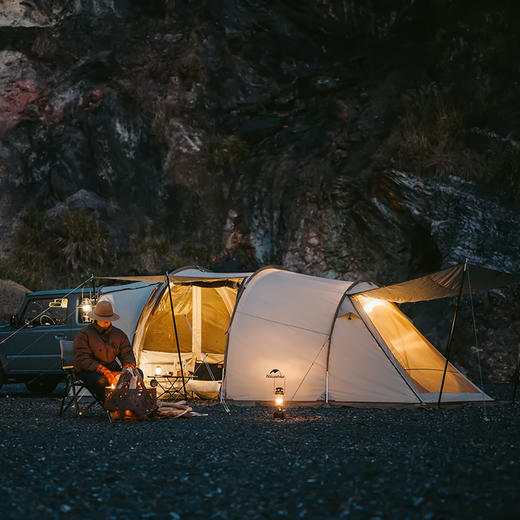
x=275, y=374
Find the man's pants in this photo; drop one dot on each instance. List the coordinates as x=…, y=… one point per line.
x=97, y=382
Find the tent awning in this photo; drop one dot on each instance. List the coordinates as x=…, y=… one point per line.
x=443, y=284
x=184, y=275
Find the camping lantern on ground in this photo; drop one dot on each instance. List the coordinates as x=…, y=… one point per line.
x=279, y=402
x=279, y=392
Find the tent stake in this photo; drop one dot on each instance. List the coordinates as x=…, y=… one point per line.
x=452, y=330
x=176, y=335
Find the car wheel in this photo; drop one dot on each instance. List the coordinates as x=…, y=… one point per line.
x=41, y=385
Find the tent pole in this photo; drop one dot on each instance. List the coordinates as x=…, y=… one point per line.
x=516, y=376
x=327, y=387
x=93, y=286
x=452, y=330
x=176, y=335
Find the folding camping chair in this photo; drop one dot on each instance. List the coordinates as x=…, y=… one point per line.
x=74, y=384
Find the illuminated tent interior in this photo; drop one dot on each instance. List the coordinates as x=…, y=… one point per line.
x=203, y=304
x=202, y=316
x=333, y=341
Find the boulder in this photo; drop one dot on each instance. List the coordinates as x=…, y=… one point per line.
x=82, y=200
x=11, y=297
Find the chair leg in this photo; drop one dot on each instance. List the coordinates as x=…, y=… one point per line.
x=75, y=398
x=64, y=396
x=70, y=386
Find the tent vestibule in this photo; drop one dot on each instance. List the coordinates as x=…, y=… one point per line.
x=202, y=316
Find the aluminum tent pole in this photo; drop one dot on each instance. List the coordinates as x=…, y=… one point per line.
x=176, y=335
x=516, y=376
x=452, y=330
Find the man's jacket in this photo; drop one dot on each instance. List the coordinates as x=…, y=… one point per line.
x=95, y=348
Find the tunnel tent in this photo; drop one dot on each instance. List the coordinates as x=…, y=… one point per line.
x=330, y=339
x=332, y=346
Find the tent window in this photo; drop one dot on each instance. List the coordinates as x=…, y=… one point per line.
x=424, y=365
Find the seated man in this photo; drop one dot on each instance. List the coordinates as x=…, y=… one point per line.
x=96, y=348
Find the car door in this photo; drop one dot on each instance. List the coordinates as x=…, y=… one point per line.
x=35, y=348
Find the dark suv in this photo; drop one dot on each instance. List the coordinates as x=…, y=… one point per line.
x=29, y=346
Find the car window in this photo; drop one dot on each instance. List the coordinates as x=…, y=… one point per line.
x=45, y=312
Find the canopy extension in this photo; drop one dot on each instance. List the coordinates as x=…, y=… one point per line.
x=443, y=284
x=190, y=276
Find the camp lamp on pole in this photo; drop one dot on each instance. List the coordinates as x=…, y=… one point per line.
x=278, y=392
x=85, y=306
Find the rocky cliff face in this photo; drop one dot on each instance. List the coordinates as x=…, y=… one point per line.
x=347, y=138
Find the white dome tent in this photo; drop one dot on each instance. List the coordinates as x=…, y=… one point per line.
x=334, y=341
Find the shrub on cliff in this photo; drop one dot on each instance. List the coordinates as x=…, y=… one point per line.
x=51, y=251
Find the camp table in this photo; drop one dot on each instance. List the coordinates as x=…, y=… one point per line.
x=171, y=384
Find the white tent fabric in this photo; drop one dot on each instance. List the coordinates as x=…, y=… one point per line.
x=128, y=301
x=331, y=342
x=282, y=321
x=359, y=369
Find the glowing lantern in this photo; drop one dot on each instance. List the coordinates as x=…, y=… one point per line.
x=86, y=305
x=278, y=396
x=279, y=402
x=279, y=392
x=158, y=371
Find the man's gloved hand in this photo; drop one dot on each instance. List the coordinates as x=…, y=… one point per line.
x=110, y=376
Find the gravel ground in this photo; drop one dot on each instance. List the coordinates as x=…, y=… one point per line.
x=318, y=463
